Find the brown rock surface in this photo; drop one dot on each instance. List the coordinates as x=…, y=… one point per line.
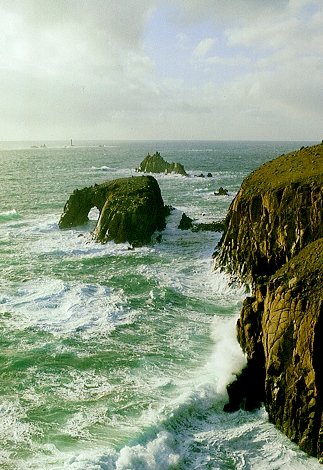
x=274, y=240
x=277, y=212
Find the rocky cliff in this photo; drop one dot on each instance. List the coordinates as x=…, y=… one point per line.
x=131, y=209
x=274, y=242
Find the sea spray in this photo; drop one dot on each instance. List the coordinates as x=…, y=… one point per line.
x=227, y=359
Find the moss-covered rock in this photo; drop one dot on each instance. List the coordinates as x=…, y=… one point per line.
x=131, y=209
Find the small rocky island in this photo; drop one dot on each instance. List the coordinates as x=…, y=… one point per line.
x=274, y=241
x=131, y=210
x=156, y=164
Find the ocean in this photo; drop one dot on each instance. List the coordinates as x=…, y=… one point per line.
x=114, y=358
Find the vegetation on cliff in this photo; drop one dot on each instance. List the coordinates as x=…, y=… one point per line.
x=295, y=168
x=274, y=240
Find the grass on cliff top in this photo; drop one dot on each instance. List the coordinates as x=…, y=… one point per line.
x=304, y=165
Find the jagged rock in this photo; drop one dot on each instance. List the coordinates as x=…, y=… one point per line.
x=274, y=240
x=221, y=192
x=156, y=164
x=186, y=223
x=131, y=209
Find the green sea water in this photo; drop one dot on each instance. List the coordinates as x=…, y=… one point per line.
x=113, y=358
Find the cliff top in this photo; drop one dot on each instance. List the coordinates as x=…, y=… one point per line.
x=299, y=166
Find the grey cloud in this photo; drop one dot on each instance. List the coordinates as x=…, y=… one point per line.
x=80, y=66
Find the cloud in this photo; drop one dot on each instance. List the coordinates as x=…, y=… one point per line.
x=203, y=48
x=224, y=69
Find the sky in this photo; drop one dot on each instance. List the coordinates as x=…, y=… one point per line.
x=161, y=69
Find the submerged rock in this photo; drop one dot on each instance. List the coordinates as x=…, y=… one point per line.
x=274, y=241
x=156, y=164
x=131, y=209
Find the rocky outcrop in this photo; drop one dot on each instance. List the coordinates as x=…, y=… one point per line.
x=131, y=209
x=274, y=241
x=156, y=164
x=186, y=223
x=221, y=192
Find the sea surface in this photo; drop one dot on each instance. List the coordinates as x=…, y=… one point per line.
x=113, y=358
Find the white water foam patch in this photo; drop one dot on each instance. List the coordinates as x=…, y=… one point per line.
x=227, y=358
x=47, y=239
x=78, y=425
x=103, y=168
x=65, y=308
x=9, y=215
x=13, y=427
x=156, y=455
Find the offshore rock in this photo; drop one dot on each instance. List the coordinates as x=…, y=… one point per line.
x=156, y=164
x=274, y=241
x=131, y=209
x=221, y=192
x=186, y=223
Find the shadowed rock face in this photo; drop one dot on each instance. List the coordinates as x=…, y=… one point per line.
x=131, y=209
x=156, y=164
x=274, y=240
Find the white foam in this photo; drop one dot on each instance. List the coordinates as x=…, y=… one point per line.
x=67, y=307
x=9, y=215
x=156, y=455
x=227, y=358
x=103, y=168
x=14, y=429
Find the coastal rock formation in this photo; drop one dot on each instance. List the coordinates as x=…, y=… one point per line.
x=277, y=212
x=221, y=192
x=186, y=223
x=156, y=164
x=131, y=209
x=274, y=241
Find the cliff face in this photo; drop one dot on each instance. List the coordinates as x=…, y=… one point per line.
x=277, y=212
x=274, y=241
